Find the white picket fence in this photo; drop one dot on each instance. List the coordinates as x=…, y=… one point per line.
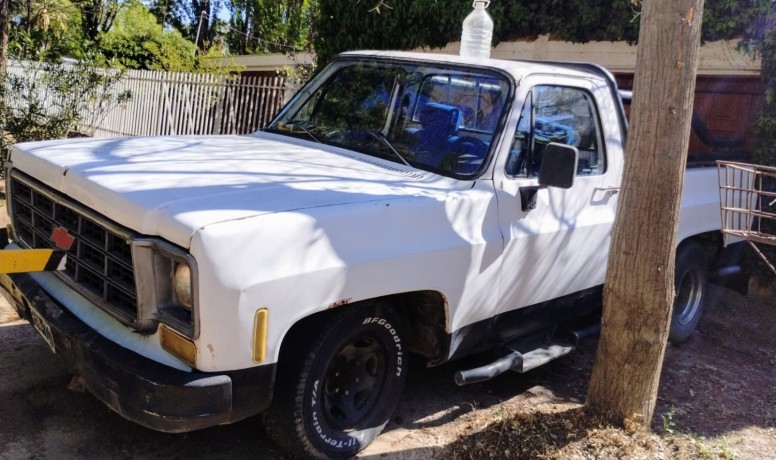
x=169, y=103
x=177, y=103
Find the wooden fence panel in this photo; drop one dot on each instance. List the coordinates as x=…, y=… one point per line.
x=177, y=103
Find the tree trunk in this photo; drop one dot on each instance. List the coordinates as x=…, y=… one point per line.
x=90, y=18
x=202, y=11
x=639, y=288
x=3, y=38
x=3, y=57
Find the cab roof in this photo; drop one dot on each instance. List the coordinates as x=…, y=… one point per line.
x=517, y=68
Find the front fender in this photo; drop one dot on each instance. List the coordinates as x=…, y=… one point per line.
x=299, y=263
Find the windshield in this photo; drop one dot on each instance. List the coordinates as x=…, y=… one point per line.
x=437, y=118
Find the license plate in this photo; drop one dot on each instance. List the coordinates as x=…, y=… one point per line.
x=43, y=329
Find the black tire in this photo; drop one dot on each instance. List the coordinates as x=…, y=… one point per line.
x=334, y=396
x=690, y=282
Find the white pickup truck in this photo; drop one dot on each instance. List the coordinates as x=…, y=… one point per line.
x=401, y=206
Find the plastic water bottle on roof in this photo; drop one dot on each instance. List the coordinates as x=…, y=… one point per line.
x=477, y=32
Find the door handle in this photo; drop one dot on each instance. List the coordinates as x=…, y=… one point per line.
x=613, y=190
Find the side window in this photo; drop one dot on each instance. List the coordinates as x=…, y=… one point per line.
x=517, y=161
x=557, y=114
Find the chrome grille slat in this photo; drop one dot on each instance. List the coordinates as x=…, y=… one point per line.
x=99, y=264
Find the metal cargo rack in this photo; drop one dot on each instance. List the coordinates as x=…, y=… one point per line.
x=747, y=195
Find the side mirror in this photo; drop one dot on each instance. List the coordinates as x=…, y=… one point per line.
x=559, y=165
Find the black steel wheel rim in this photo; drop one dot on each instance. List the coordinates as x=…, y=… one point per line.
x=353, y=383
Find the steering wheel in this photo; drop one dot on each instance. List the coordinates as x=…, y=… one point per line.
x=469, y=153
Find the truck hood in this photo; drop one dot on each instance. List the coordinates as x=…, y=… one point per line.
x=172, y=186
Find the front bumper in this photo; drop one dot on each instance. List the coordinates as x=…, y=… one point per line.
x=139, y=389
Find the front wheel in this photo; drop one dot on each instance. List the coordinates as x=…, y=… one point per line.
x=337, y=395
x=691, y=276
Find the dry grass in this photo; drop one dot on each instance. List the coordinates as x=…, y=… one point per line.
x=565, y=432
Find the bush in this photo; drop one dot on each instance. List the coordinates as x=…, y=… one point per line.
x=51, y=99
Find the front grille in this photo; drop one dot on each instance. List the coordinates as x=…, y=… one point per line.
x=99, y=264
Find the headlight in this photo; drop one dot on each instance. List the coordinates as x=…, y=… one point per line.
x=166, y=279
x=182, y=283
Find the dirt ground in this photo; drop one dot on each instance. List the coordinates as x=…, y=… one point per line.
x=718, y=388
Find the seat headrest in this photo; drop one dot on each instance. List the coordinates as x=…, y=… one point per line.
x=434, y=115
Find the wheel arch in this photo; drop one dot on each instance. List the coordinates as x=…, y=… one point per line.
x=727, y=264
x=425, y=312
x=711, y=242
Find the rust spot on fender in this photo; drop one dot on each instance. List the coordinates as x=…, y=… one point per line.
x=340, y=303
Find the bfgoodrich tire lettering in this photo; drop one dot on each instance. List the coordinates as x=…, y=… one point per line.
x=343, y=388
x=691, y=285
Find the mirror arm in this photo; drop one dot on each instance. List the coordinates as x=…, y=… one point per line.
x=528, y=196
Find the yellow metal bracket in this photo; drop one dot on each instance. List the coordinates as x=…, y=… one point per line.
x=31, y=260
x=36, y=260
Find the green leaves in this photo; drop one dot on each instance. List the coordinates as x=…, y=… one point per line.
x=346, y=25
x=275, y=26
x=49, y=100
x=137, y=41
x=410, y=24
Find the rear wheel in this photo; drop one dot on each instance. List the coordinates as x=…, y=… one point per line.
x=691, y=285
x=337, y=394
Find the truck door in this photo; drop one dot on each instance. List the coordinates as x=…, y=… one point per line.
x=556, y=240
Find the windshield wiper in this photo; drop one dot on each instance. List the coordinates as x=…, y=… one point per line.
x=382, y=138
x=297, y=124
